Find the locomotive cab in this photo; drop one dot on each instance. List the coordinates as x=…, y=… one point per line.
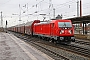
x=65, y=31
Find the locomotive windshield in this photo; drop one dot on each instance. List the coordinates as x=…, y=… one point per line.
x=64, y=24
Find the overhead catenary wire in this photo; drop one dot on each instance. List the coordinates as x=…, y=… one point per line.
x=62, y=7
x=47, y=8
x=62, y=4
x=42, y=9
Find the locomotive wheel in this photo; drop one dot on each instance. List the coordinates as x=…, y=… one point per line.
x=65, y=43
x=43, y=38
x=56, y=42
x=53, y=41
x=40, y=37
x=50, y=40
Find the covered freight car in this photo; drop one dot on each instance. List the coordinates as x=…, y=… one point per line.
x=25, y=28
x=29, y=27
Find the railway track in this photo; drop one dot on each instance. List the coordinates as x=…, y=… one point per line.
x=55, y=55
x=82, y=42
x=33, y=42
x=71, y=48
x=78, y=50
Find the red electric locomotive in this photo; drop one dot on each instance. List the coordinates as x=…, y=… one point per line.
x=58, y=31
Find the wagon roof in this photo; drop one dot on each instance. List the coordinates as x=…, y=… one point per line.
x=29, y=23
x=21, y=25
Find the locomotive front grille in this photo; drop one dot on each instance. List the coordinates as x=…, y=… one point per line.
x=66, y=38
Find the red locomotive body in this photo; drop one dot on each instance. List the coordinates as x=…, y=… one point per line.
x=55, y=30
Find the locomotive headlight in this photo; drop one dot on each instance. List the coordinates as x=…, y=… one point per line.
x=72, y=37
x=70, y=31
x=61, y=38
x=62, y=31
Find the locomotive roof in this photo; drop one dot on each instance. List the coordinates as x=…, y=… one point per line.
x=60, y=21
x=43, y=22
x=51, y=21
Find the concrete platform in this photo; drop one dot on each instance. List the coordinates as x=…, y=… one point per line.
x=12, y=48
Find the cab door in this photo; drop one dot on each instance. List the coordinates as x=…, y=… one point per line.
x=52, y=29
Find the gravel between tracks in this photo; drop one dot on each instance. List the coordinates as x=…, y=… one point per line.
x=70, y=55
x=67, y=54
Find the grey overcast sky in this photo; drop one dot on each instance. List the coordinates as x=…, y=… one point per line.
x=68, y=8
